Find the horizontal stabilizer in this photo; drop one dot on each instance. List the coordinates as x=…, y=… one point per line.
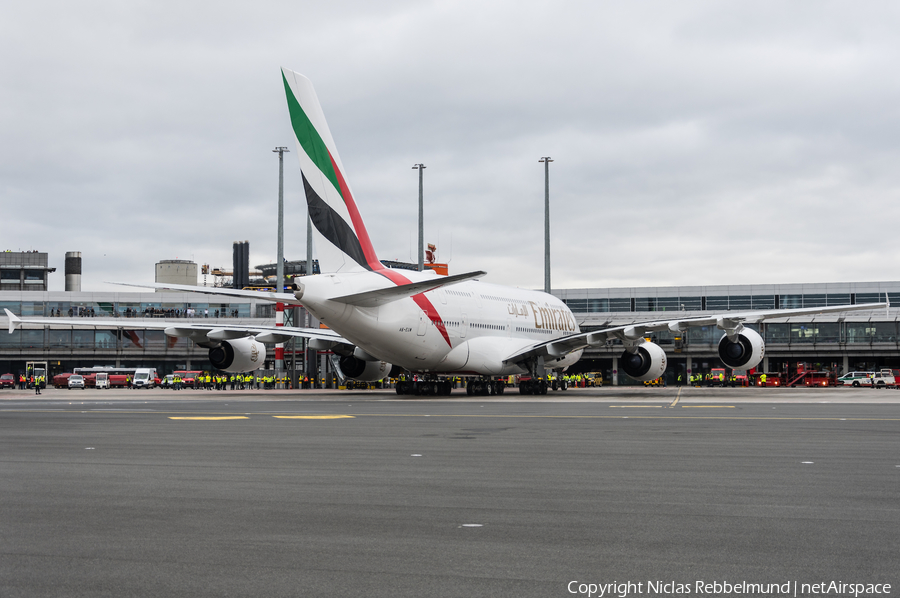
x=389, y=294
x=288, y=298
x=13, y=320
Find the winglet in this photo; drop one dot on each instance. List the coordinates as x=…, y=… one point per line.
x=13, y=320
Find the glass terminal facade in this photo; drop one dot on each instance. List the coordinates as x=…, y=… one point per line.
x=834, y=342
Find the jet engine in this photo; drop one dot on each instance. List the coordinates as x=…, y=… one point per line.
x=238, y=355
x=365, y=371
x=745, y=352
x=648, y=362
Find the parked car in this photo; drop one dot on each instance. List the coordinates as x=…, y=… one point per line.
x=7, y=381
x=76, y=381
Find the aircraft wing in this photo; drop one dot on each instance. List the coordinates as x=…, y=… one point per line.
x=194, y=329
x=267, y=295
x=633, y=332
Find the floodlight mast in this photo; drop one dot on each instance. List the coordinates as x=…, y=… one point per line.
x=546, y=160
x=421, y=169
x=279, y=266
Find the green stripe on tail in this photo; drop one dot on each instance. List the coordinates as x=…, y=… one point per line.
x=309, y=138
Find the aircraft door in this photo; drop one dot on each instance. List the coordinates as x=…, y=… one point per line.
x=423, y=324
x=464, y=320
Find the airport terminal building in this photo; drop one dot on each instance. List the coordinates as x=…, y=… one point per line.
x=833, y=342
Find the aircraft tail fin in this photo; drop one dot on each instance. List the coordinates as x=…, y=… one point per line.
x=342, y=242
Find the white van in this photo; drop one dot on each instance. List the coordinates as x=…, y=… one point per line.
x=144, y=378
x=102, y=380
x=856, y=378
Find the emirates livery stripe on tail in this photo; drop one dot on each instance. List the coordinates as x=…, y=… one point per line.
x=333, y=227
x=351, y=238
x=347, y=234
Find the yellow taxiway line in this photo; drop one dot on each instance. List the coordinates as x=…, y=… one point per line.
x=675, y=402
x=314, y=416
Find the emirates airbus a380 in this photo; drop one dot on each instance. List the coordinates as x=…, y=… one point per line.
x=381, y=319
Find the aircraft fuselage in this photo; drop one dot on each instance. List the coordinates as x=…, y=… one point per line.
x=469, y=327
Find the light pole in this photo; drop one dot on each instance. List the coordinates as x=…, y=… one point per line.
x=279, y=266
x=546, y=160
x=309, y=354
x=421, y=169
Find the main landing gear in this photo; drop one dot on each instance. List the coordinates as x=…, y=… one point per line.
x=540, y=386
x=533, y=387
x=557, y=384
x=485, y=387
x=425, y=388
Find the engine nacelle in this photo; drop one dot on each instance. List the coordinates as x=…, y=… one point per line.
x=238, y=355
x=745, y=353
x=647, y=363
x=364, y=371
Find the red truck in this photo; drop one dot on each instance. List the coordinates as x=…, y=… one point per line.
x=767, y=379
x=188, y=377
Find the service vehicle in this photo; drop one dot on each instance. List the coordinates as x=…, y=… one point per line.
x=717, y=377
x=767, y=379
x=854, y=378
x=189, y=377
x=7, y=381
x=75, y=381
x=118, y=381
x=36, y=370
x=60, y=380
x=809, y=378
x=144, y=378
x=881, y=379
x=101, y=380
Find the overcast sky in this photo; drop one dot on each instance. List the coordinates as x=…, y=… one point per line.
x=694, y=143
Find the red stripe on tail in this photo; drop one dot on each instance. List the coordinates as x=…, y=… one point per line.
x=361, y=233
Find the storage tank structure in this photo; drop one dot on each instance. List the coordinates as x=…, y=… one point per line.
x=73, y=271
x=176, y=272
